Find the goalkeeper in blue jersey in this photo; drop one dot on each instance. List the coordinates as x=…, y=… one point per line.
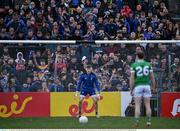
x=86, y=85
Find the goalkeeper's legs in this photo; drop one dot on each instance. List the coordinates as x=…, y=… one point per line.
x=137, y=109
x=148, y=110
x=95, y=100
x=80, y=105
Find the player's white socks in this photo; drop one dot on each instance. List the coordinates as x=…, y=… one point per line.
x=136, y=120
x=97, y=116
x=149, y=121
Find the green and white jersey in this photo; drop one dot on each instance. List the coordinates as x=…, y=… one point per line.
x=142, y=69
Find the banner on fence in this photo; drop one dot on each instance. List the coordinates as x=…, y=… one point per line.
x=64, y=104
x=24, y=104
x=170, y=104
x=125, y=100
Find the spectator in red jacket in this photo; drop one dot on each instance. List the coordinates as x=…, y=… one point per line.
x=126, y=10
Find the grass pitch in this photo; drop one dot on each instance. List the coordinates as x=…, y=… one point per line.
x=94, y=123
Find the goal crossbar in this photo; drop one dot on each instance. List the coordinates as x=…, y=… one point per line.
x=96, y=41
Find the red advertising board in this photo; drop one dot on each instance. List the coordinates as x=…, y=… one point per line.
x=170, y=104
x=24, y=104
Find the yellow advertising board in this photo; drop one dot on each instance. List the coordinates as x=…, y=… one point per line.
x=64, y=104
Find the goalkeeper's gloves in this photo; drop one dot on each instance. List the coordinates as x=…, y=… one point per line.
x=76, y=94
x=98, y=96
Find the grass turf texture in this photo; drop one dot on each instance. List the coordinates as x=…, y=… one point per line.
x=94, y=123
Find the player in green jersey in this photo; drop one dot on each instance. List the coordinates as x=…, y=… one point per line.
x=140, y=78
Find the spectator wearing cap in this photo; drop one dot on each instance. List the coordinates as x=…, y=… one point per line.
x=95, y=2
x=84, y=60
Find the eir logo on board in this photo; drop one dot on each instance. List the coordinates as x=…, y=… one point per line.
x=176, y=107
x=170, y=104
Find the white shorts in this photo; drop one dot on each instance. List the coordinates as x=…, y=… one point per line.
x=142, y=91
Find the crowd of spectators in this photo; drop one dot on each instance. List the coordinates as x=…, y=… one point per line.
x=56, y=68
